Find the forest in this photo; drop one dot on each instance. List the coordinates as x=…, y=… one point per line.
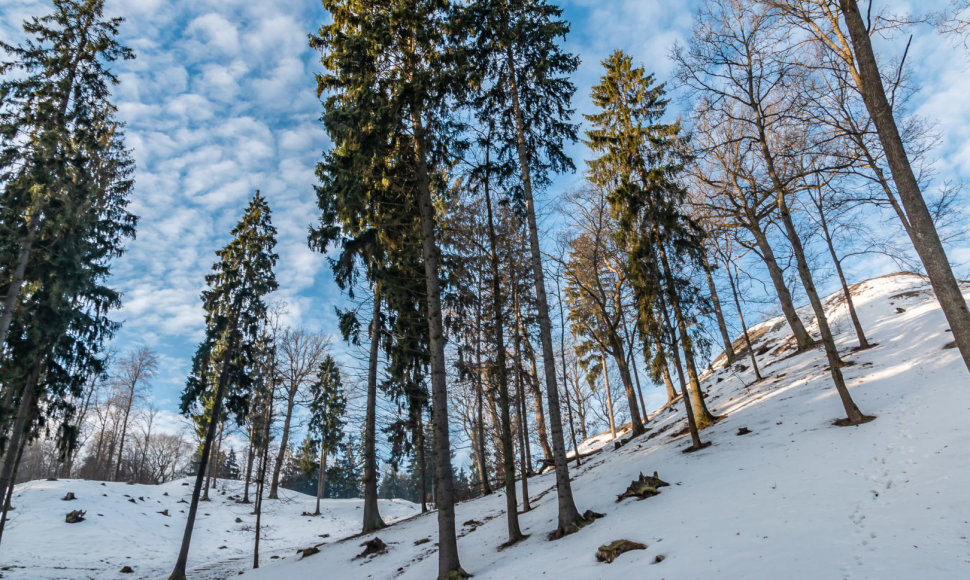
x=503, y=298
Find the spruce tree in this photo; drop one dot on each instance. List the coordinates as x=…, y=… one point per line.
x=640, y=162
x=225, y=364
x=65, y=179
x=327, y=406
x=388, y=114
x=522, y=75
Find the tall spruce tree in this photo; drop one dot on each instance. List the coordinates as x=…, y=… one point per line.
x=524, y=88
x=226, y=363
x=640, y=161
x=387, y=112
x=327, y=406
x=65, y=180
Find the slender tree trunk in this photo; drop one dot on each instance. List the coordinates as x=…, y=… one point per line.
x=744, y=327
x=218, y=462
x=249, y=467
x=533, y=383
x=525, y=461
x=480, y=399
x=210, y=434
x=569, y=515
x=695, y=435
x=803, y=340
x=501, y=372
x=928, y=244
x=261, y=483
x=422, y=462
x=619, y=356
x=284, y=442
x=19, y=432
x=16, y=283
x=859, y=332
x=853, y=413
x=662, y=352
x=609, y=395
x=8, y=496
x=321, y=478
x=702, y=415
x=124, y=432
x=372, y=516
x=722, y=326
x=448, y=562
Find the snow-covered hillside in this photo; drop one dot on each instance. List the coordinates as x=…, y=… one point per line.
x=127, y=525
x=795, y=498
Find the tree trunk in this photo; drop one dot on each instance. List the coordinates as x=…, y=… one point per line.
x=619, y=356
x=928, y=244
x=480, y=400
x=321, y=478
x=372, y=516
x=695, y=435
x=859, y=332
x=702, y=415
x=533, y=383
x=261, y=482
x=668, y=383
x=525, y=460
x=722, y=326
x=285, y=441
x=448, y=562
x=569, y=515
x=422, y=462
x=124, y=432
x=835, y=363
x=249, y=468
x=744, y=328
x=609, y=396
x=19, y=432
x=803, y=340
x=210, y=434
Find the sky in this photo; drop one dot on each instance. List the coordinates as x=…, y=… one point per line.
x=221, y=102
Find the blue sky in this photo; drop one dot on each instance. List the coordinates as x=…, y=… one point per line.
x=221, y=102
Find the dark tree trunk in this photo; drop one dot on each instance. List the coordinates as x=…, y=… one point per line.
x=803, y=340
x=569, y=515
x=695, y=435
x=702, y=415
x=665, y=372
x=210, y=434
x=926, y=239
x=372, y=516
x=525, y=459
x=249, y=469
x=19, y=432
x=448, y=562
x=321, y=478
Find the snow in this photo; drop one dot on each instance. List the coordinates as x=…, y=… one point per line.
x=117, y=532
x=795, y=498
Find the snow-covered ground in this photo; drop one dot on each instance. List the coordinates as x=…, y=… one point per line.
x=795, y=498
x=124, y=526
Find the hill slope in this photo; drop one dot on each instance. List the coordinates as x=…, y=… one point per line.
x=795, y=498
